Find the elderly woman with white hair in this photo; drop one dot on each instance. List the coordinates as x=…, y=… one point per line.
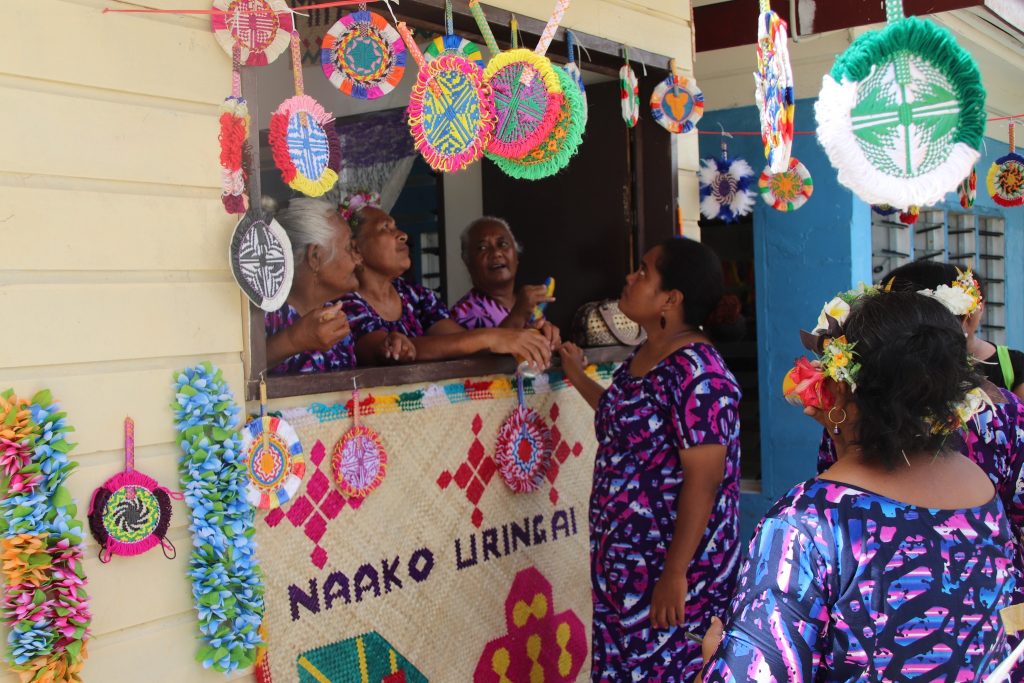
x=309, y=333
x=491, y=254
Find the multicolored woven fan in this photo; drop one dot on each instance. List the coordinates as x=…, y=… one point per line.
x=572, y=67
x=451, y=109
x=131, y=513
x=260, y=254
x=302, y=137
x=362, y=55
x=557, y=149
x=359, y=462
x=725, y=190
x=629, y=92
x=524, y=447
x=273, y=459
x=527, y=91
x=786, y=191
x=1006, y=177
x=234, y=137
x=968, y=190
x=902, y=113
x=773, y=88
x=677, y=103
x=451, y=44
x=261, y=27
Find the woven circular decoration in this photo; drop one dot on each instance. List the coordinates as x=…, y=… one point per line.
x=363, y=55
x=129, y=514
x=629, y=92
x=725, y=192
x=454, y=45
x=261, y=259
x=359, y=462
x=677, y=104
x=968, y=190
x=773, y=90
x=523, y=450
x=273, y=461
x=305, y=145
x=557, y=149
x=261, y=27
x=526, y=112
x=786, y=191
x=451, y=113
x=1006, y=180
x=902, y=113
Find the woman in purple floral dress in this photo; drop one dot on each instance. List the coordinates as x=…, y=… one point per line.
x=664, y=508
x=308, y=333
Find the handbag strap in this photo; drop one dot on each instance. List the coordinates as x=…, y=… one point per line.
x=605, y=311
x=1005, y=365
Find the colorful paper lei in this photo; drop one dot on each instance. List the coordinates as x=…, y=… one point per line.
x=962, y=296
x=44, y=598
x=677, y=104
x=234, y=138
x=226, y=581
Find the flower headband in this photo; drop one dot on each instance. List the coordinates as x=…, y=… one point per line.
x=352, y=203
x=962, y=297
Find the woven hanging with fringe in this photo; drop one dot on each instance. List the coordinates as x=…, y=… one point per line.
x=902, y=113
x=524, y=447
x=787, y=190
x=359, y=461
x=1006, y=177
x=629, y=92
x=273, y=460
x=363, y=56
x=262, y=28
x=303, y=139
x=234, y=143
x=773, y=88
x=677, y=104
x=725, y=187
x=131, y=513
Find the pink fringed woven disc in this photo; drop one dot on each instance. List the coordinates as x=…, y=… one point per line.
x=359, y=462
x=526, y=111
x=262, y=28
x=523, y=450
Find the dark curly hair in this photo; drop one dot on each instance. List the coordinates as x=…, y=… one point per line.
x=695, y=270
x=914, y=369
x=918, y=275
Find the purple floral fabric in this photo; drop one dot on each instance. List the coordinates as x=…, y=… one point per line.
x=422, y=308
x=842, y=584
x=689, y=399
x=476, y=310
x=341, y=356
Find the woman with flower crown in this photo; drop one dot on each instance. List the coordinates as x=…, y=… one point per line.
x=894, y=563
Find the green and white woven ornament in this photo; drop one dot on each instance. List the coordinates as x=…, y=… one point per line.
x=902, y=113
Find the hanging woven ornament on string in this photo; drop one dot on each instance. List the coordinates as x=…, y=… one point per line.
x=131, y=513
x=303, y=139
x=261, y=28
x=452, y=44
x=773, y=88
x=260, y=255
x=359, y=461
x=787, y=190
x=273, y=459
x=725, y=187
x=362, y=55
x=561, y=144
x=234, y=143
x=677, y=104
x=572, y=67
x=902, y=113
x=524, y=446
x=1006, y=177
x=629, y=92
x=451, y=108
x=968, y=190
x=527, y=91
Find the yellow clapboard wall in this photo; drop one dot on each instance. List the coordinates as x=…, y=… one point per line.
x=114, y=270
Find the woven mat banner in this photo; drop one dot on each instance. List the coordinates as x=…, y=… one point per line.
x=442, y=573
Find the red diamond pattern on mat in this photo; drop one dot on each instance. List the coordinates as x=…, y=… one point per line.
x=562, y=451
x=473, y=474
x=315, y=527
x=317, y=486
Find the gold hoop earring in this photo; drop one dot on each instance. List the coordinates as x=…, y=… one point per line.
x=836, y=423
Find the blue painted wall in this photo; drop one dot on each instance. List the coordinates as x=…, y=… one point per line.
x=801, y=260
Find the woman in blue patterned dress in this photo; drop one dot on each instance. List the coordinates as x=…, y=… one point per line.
x=664, y=508
x=894, y=563
x=394, y=321
x=308, y=333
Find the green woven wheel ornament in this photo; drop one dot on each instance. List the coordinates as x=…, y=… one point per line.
x=902, y=113
x=557, y=149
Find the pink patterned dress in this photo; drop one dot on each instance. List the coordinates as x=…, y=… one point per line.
x=476, y=310
x=689, y=399
x=341, y=356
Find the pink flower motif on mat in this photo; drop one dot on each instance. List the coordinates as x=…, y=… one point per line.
x=539, y=644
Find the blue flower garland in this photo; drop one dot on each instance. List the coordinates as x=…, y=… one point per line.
x=226, y=581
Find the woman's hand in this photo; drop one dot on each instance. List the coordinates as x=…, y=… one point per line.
x=320, y=329
x=550, y=332
x=398, y=348
x=526, y=344
x=528, y=297
x=668, y=602
x=573, y=359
